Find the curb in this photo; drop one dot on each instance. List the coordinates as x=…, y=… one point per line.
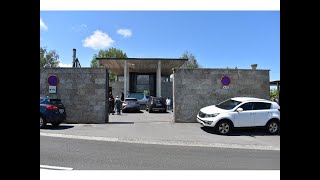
x=54, y=167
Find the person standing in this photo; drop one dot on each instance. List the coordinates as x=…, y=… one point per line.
x=168, y=103
x=118, y=105
x=122, y=96
x=111, y=104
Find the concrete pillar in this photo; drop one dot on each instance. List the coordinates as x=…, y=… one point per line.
x=125, y=78
x=159, y=79
x=128, y=80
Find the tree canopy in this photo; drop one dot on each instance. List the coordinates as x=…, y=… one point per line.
x=108, y=53
x=192, y=61
x=48, y=58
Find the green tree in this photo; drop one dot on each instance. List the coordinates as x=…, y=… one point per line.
x=108, y=53
x=192, y=61
x=273, y=93
x=48, y=58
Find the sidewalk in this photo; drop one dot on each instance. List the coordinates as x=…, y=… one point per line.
x=158, y=128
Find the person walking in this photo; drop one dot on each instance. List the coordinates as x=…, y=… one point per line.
x=111, y=104
x=168, y=103
x=122, y=96
x=118, y=105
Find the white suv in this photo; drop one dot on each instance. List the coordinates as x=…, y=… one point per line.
x=241, y=112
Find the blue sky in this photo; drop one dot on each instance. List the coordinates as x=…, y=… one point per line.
x=218, y=39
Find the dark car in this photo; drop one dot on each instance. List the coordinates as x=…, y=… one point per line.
x=130, y=104
x=156, y=104
x=51, y=111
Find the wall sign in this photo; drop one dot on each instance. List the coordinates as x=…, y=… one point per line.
x=52, y=89
x=52, y=80
x=225, y=80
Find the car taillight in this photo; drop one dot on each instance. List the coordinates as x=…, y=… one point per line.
x=51, y=107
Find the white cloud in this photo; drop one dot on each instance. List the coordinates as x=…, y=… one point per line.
x=125, y=32
x=43, y=25
x=98, y=40
x=64, y=65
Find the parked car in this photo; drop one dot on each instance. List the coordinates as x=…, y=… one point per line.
x=241, y=112
x=141, y=97
x=156, y=104
x=51, y=111
x=130, y=104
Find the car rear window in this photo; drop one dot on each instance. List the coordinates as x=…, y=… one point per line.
x=158, y=100
x=261, y=105
x=56, y=101
x=137, y=96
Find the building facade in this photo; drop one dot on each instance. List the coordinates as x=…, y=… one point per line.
x=139, y=75
x=84, y=91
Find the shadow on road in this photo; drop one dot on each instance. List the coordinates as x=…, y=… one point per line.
x=60, y=127
x=158, y=112
x=132, y=112
x=120, y=123
x=242, y=132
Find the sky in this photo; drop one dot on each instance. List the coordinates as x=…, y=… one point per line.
x=218, y=39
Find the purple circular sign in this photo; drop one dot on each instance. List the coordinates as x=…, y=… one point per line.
x=225, y=80
x=53, y=80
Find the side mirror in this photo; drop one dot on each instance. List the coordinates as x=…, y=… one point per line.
x=239, y=110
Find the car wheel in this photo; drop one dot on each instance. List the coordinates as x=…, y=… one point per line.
x=273, y=127
x=150, y=111
x=223, y=127
x=55, y=124
x=43, y=122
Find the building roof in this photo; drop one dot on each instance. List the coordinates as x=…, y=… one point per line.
x=141, y=65
x=275, y=82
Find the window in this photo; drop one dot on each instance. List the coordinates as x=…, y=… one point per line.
x=137, y=96
x=247, y=106
x=56, y=101
x=228, y=104
x=131, y=100
x=261, y=105
x=142, y=83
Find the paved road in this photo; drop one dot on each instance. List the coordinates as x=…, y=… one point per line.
x=101, y=155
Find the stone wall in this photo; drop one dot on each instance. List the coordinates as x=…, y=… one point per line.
x=82, y=90
x=117, y=88
x=166, y=89
x=197, y=88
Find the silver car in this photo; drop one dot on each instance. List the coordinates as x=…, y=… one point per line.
x=130, y=104
x=141, y=97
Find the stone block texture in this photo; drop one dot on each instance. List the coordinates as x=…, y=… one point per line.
x=117, y=88
x=166, y=90
x=82, y=91
x=197, y=88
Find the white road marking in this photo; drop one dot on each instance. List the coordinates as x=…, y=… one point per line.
x=163, y=142
x=55, y=167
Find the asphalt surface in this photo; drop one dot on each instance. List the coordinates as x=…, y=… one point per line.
x=158, y=128
x=102, y=155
